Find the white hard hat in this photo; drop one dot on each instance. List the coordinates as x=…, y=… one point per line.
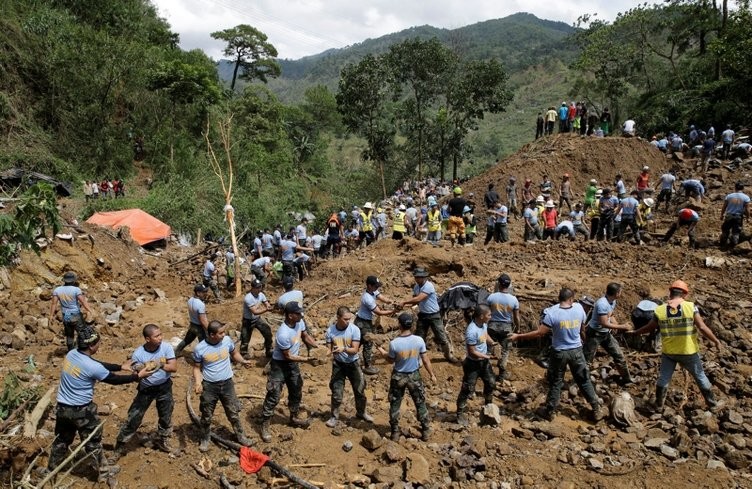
x=599, y=191
x=550, y=204
x=593, y=181
x=645, y=168
x=367, y=205
x=540, y=199
x=402, y=207
x=649, y=202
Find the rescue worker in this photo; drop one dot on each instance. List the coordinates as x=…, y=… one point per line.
x=407, y=351
x=399, y=226
x=210, y=276
x=735, y=209
x=564, y=321
x=71, y=300
x=505, y=319
x=343, y=340
x=429, y=315
x=598, y=331
x=590, y=197
x=366, y=226
x=434, y=224
x=679, y=321
x=369, y=306
x=477, y=362
x=284, y=369
x=686, y=217
x=197, y=320
x=335, y=233
x=255, y=305
x=456, y=227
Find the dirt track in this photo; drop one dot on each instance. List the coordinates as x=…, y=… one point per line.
x=518, y=452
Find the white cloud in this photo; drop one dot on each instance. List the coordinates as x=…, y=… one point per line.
x=300, y=28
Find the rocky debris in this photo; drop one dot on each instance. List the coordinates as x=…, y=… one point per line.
x=393, y=452
x=520, y=432
x=347, y=446
x=466, y=461
x=159, y=293
x=387, y=474
x=490, y=415
x=669, y=452
x=417, y=469
x=372, y=440
x=623, y=409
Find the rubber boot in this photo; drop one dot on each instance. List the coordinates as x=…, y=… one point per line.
x=711, y=401
x=626, y=378
x=599, y=412
x=462, y=419
x=162, y=444
x=332, y=423
x=297, y=422
x=425, y=432
x=179, y=349
x=240, y=435
x=118, y=452
x=660, y=397
x=203, y=445
x=395, y=433
x=448, y=353
x=364, y=416
x=266, y=433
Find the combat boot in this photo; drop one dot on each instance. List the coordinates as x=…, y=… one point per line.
x=425, y=433
x=599, y=412
x=332, y=422
x=203, y=446
x=118, y=452
x=448, y=354
x=297, y=422
x=240, y=435
x=364, y=416
x=179, y=349
x=162, y=444
x=370, y=370
x=266, y=433
x=395, y=434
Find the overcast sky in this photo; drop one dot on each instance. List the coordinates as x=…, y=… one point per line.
x=300, y=28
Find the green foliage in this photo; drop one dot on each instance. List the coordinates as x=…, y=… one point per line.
x=251, y=51
x=35, y=212
x=14, y=394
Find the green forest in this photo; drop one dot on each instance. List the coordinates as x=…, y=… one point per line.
x=100, y=89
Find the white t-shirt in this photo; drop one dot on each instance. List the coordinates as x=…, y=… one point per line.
x=629, y=126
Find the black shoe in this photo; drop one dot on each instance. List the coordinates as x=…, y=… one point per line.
x=544, y=413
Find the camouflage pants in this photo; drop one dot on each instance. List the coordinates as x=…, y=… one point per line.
x=212, y=284
x=194, y=331
x=366, y=330
x=471, y=370
x=69, y=421
x=594, y=339
x=557, y=367
x=414, y=384
x=224, y=392
x=282, y=374
x=162, y=395
x=72, y=324
x=246, y=330
x=353, y=373
x=434, y=323
x=499, y=332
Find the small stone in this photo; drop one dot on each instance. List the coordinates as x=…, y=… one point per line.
x=656, y=442
x=551, y=430
x=359, y=480
x=490, y=415
x=736, y=459
x=738, y=441
x=479, y=477
x=393, y=452
x=716, y=464
x=347, y=446
x=387, y=474
x=159, y=293
x=669, y=452
x=372, y=440
x=735, y=418
x=522, y=433
x=597, y=447
x=595, y=463
x=417, y=469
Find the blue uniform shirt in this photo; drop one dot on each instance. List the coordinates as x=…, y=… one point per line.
x=288, y=249
x=288, y=338
x=577, y=217
x=196, y=307
x=215, y=359
x=250, y=301
x=601, y=308
x=406, y=352
x=477, y=336
x=68, y=297
x=343, y=339
x=502, y=306
x=367, y=305
x=620, y=187
x=694, y=185
x=735, y=203
x=565, y=324
x=80, y=373
x=161, y=355
x=430, y=304
x=502, y=219
x=209, y=269
x=531, y=215
x=629, y=207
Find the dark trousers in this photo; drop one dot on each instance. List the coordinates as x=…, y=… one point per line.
x=366, y=343
x=246, y=331
x=595, y=225
x=433, y=322
x=606, y=228
x=557, y=367
x=629, y=222
x=499, y=332
x=501, y=233
x=194, y=331
x=71, y=326
x=353, y=373
x=162, y=395
x=222, y=391
x=471, y=370
x=594, y=339
x=414, y=384
x=732, y=225
x=283, y=373
x=70, y=420
x=549, y=127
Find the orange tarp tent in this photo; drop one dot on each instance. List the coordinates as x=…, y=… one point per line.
x=144, y=227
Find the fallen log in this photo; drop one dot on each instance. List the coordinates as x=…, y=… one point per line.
x=13, y=415
x=32, y=421
x=224, y=483
x=231, y=445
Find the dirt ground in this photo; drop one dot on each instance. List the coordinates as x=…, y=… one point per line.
x=567, y=453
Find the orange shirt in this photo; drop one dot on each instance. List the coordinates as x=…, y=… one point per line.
x=549, y=217
x=642, y=181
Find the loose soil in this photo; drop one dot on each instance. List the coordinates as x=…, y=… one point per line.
x=152, y=290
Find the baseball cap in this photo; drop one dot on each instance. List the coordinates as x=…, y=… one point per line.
x=405, y=319
x=87, y=336
x=373, y=280
x=420, y=272
x=199, y=288
x=256, y=283
x=287, y=280
x=69, y=277
x=293, y=307
x=505, y=279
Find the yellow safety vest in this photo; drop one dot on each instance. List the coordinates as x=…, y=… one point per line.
x=366, y=218
x=434, y=221
x=677, y=326
x=399, y=222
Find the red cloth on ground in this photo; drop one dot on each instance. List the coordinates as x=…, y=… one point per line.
x=251, y=461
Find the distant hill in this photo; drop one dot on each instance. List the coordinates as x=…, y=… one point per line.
x=534, y=52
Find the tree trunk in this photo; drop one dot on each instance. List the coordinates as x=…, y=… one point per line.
x=454, y=167
x=230, y=215
x=235, y=74
x=383, y=183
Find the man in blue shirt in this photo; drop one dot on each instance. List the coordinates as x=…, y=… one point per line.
x=598, y=332
x=429, y=313
x=477, y=362
x=343, y=339
x=407, y=351
x=210, y=275
x=693, y=188
x=630, y=214
x=369, y=306
x=212, y=379
x=505, y=318
x=290, y=295
x=71, y=299
x=735, y=209
x=284, y=369
x=607, y=206
x=156, y=388
x=685, y=217
x=76, y=411
x=197, y=319
x=532, y=229
x=254, y=305
x=564, y=321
